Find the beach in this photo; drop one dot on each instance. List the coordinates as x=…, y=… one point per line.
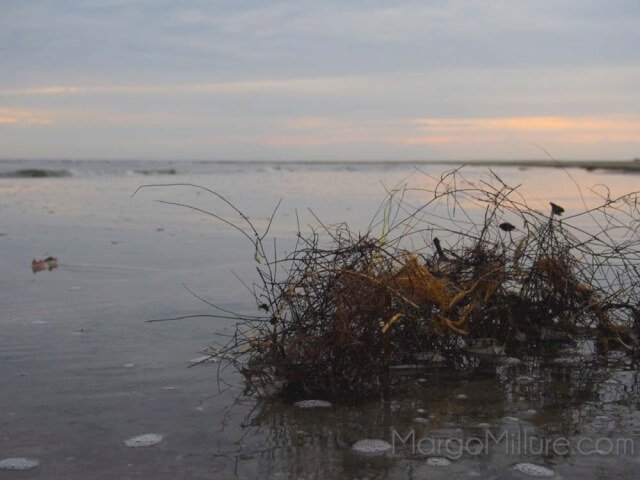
x=82, y=370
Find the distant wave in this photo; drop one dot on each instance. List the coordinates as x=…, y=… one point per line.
x=157, y=171
x=35, y=173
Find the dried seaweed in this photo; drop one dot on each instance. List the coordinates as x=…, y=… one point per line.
x=438, y=268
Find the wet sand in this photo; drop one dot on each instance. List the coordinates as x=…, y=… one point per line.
x=81, y=371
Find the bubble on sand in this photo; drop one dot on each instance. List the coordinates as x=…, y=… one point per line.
x=602, y=422
x=421, y=410
x=371, y=446
x=462, y=396
x=313, y=404
x=565, y=361
x=447, y=433
x=18, y=463
x=524, y=380
x=204, y=359
x=511, y=361
x=534, y=470
x=438, y=462
x=146, y=440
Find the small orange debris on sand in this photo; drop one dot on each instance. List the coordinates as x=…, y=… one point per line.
x=48, y=263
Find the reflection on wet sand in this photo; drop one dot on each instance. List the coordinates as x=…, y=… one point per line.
x=477, y=415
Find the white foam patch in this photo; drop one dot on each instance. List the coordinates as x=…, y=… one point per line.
x=371, y=446
x=146, y=440
x=313, y=404
x=462, y=396
x=438, y=462
x=18, y=463
x=129, y=365
x=534, y=470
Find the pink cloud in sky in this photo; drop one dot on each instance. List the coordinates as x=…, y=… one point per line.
x=11, y=116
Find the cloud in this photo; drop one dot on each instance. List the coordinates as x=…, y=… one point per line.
x=455, y=92
x=136, y=41
x=296, y=85
x=527, y=129
x=11, y=116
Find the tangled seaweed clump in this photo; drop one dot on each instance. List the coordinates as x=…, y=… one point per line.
x=472, y=266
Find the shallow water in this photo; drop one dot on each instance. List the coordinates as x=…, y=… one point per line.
x=81, y=371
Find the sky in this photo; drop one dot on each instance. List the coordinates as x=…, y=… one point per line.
x=319, y=80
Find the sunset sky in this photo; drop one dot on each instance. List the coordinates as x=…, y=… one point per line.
x=319, y=80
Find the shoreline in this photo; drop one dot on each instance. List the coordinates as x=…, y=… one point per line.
x=624, y=166
x=629, y=166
